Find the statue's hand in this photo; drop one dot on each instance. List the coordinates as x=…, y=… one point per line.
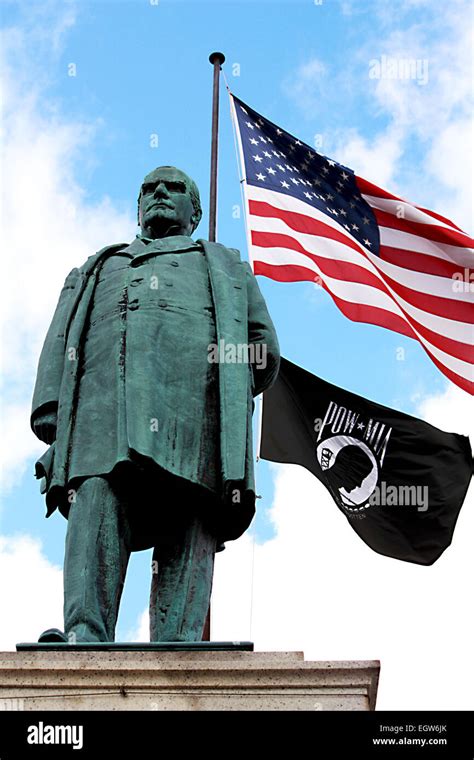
x=45, y=427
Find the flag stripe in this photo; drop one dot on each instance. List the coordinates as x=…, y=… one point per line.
x=285, y=223
x=426, y=263
x=408, y=211
x=358, y=293
x=338, y=270
x=428, y=231
x=360, y=313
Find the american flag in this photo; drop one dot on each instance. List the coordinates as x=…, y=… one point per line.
x=382, y=259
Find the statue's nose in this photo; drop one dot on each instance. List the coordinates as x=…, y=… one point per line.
x=161, y=189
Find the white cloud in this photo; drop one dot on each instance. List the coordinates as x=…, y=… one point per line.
x=48, y=224
x=423, y=150
x=317, y=587
x=31, y=591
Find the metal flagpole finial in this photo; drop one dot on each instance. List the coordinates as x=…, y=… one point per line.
x=217, y=58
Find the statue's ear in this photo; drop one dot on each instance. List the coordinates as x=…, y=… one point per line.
x=196, y=218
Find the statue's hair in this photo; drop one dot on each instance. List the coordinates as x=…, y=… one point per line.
x=193, y=193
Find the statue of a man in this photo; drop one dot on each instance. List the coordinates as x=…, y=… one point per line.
x=144, y=394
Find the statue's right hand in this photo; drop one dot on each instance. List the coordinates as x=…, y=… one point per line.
x=45, y=427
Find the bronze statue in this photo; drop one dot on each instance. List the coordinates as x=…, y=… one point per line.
x=144, y=394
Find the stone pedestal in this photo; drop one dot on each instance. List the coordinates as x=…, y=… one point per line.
x=187, y=680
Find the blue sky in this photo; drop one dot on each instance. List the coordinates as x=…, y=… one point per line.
x=81, y=145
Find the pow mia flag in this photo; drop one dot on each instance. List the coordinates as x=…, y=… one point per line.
x=399, y=481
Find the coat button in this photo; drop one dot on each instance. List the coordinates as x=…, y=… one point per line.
x=134, y=283
x=174, y=264
x=133, y=305
x=163, y=304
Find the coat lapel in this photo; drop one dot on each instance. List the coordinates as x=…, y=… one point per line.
x=229, y=293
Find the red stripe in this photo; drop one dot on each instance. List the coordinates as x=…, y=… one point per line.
x=418, y=262
x=358, y=313
x=420, y=229
x=355, y=312
x=302, y=223
x=438, y=217
x=341, y=270
x=368, y=188
x=353, y=273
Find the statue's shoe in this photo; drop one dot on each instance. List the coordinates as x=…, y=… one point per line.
x=52, y=635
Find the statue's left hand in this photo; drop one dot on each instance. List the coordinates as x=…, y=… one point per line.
x=45, y=427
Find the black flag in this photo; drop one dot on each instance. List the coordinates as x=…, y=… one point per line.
x=399, y=481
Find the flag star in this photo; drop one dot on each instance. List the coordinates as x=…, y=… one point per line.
x=269, y=139
x=341, y=211
x=284, y=184
x=257, y=158
x=366, y=220
x=310, y=155
x=282, y=155
x=270, y=170
x=249, y=124
x=279, y=132
x=292, y=148
x=308, y=195
x=304, y=166
x=316, y=195
x=325, y=170
x=355, y=227
x=275, y=153
x=281, y=168
x=333, y=211
x=331, y=163
x=344, y=176
x=295, y=181
x=367, y=243
x=298, y=142
x=347, y=227
x=262, y=139
x=352, y=204
x=330, y=197
x=261, y=177
x=289, y=168
x=243, y=109
x=296, y=170
x=253, y=141
x=267, y=154
x=260, y=122
x=317, y=182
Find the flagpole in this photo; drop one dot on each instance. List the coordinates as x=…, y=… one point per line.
x=216, y=59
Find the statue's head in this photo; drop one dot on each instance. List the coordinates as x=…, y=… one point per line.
x=168, y=203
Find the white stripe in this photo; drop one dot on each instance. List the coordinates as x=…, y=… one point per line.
x=358, y=293
x=409, y=212
x=388, y=236
x=463, y=257
x=430, y=284
x=335, y=251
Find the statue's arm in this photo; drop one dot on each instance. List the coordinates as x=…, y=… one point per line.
x=261, y=331
x=51, y=364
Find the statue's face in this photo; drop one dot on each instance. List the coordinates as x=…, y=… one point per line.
x=166, y=207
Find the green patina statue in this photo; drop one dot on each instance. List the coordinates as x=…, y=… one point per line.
x=144, y=395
